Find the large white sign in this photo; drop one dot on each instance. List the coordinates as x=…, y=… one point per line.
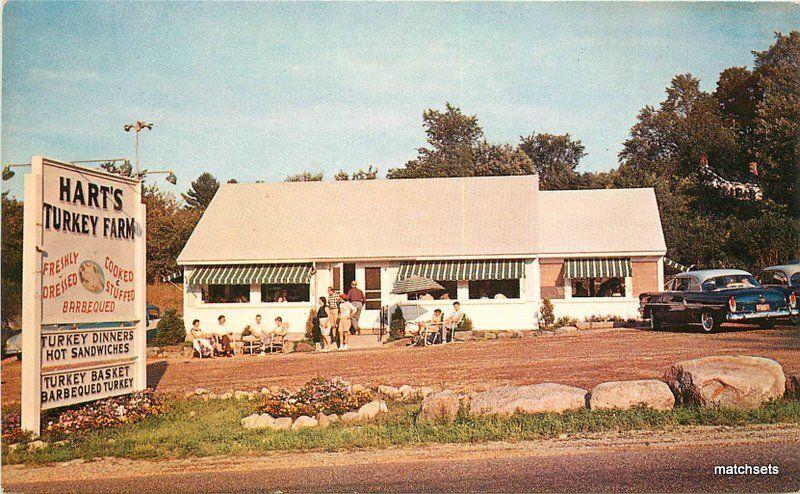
x=83, y=310
x=90, y=224
x=62, y=388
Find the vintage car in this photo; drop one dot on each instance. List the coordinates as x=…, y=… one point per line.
x=786, y=276
x=711, y=297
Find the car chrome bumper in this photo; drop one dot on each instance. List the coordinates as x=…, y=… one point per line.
x=759, y=315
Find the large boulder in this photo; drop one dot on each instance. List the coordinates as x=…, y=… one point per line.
x=371, y=409
x=281, y=424
x=732, y=381
x=304, y=421
x=622, y=395
x=440, y=406
x=534, y=398
x=349, y=418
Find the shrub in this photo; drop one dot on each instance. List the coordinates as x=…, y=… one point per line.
x=106, y=413
x=12, y=431
x=547, y=313
x=171, y=330
x=317, y=395
x=566, y=321
x=397, y=327
x=466, y=325
x=311, y=324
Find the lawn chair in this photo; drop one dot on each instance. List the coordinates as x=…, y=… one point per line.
x=251, y=345
x=431, y=334
x=451, y=334
x=274, y=343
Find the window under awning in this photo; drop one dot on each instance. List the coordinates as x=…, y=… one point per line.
x=251, y=273
x=597, y=268
x=473, y=270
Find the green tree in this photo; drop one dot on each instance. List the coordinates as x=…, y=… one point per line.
x=305, y=176
x=369, y=174
x=201, y=192
x=456, y=148
x=776, y=127
x=556, y=159
x=12, y=227
x=168, y=228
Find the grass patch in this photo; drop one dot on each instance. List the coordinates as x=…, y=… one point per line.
x=194, y=428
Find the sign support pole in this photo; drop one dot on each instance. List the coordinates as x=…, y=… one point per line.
x=32, y=301
x=141, y=297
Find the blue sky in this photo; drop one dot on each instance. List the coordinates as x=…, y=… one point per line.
x=260, y=90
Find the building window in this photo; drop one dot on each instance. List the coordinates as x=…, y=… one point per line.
x=286, y=292
x=494, y=289
x=598, y=287
x=372, y=288
x=450, y=292
x=226, y=294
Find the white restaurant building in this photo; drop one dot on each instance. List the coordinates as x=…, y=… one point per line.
x=498, y=245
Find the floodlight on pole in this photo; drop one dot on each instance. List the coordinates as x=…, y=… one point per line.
x=171, y=177
x=136, y=127
x=8, y=173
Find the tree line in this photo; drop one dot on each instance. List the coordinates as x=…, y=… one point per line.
x=746, y=130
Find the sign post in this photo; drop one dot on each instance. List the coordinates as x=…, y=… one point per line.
x=84, y=314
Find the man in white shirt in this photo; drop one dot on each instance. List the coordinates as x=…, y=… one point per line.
x=346, y=312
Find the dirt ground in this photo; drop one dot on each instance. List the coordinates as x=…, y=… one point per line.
x=581, y=359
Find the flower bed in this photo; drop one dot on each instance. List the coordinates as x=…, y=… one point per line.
x=317, y=395
x=105, y=413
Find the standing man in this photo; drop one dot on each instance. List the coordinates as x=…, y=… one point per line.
x=333, y=313
x=356, y=297
x=346, y=313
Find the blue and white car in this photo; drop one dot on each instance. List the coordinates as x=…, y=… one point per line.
x=711, y=297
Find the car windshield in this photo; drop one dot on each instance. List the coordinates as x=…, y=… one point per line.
x=728, y=282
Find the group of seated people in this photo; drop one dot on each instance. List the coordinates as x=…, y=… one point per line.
x=438, y=329
x=220, y=341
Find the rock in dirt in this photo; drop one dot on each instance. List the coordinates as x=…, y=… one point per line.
x=281, y=424
x=303, y=422
x=565, y=330
x=36, y=445
x=732, y=381
x=389, y=391
x=621, y=395
x=349, y=418
x=441, y=406
x=534, y=398
x=371, y=409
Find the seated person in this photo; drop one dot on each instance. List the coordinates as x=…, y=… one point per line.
x=256, y=331
x=499, y=296
x=426, y=296
x=453, y=320
x=445, y=296
x=200, y=341
x=436, y=324
x=280, y=328
x=223, y=339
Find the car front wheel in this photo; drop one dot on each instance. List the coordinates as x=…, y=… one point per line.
x=655, y=322
x=708, y=322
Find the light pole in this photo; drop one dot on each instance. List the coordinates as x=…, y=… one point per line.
x=136, y=127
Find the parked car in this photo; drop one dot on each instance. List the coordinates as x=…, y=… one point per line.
x=12, y=343
x=786, y=277
x=711, y=297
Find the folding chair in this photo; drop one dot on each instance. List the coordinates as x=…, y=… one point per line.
x=275, y=343
x=451, y=334
x=431, y=334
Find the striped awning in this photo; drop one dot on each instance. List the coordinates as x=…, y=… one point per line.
x=597, y=268
x=251, y=273
x=474, y=270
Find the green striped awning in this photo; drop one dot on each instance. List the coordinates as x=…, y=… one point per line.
x=474, y=270
x=597, y=268
x=251, y=273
